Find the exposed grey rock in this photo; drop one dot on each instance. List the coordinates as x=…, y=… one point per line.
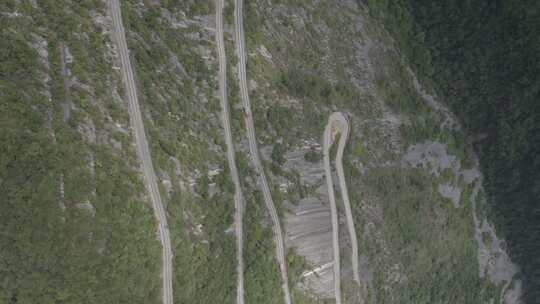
x=173, y=20
x=450, y=192
x=449, y=120
x=213, y=189
x=88, y=207
x=88, y=131
x=115, y=144
x=309, y=232
x=311, y=174
x=513, y=295
x=493, y=259
x=431, y=155
x=494, y=262
x=265, y=53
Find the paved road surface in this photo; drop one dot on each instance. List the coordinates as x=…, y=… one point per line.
x=338, y=122
x=238, y=197
x=345, y=195
x=143, y=151
x=278, y=235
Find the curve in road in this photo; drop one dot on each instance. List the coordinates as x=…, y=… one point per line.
x=338, y=122
x=225, y=117
x=345, y=196
x=142, y=149
x=254, y=152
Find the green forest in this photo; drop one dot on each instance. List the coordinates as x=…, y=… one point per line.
x=68, y=234
x=74, y=216
x=483, y=59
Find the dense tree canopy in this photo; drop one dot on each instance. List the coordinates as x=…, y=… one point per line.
x=484, y=58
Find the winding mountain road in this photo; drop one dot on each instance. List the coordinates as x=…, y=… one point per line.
x=254, y=152
x=225, y=117
x=142, y=150
x=337, y=122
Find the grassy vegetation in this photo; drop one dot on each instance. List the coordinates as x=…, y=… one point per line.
x=262, y=277
x=313, y=156
x=481, y=57
x=183, y=122
x=430, y=239
x=204, y=252
x=277, y=119
x=429, y=256
x=72, y=257
x=52, y=255
x=433, y=240
x=261, y=274
x=191, y=7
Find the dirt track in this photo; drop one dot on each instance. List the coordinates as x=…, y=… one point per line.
x=254, y=151
x=337, y=122
x=225, y=117
x=142, y=149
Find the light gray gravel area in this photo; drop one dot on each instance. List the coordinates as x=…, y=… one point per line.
x=311, y=174
x=450, y=192
x=309, y=232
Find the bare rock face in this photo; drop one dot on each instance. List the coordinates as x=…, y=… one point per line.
x=450, y=192
x=309, y=232
x=308, y=223
x=311, y=174
x=432, y=155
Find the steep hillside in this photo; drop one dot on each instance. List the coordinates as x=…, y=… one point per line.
x=414, y=186
x=74, y=216
x=482, y=57
x=76, y=220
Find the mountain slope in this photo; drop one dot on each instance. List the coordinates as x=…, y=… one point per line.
x=482, y=59
x=77, y=225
